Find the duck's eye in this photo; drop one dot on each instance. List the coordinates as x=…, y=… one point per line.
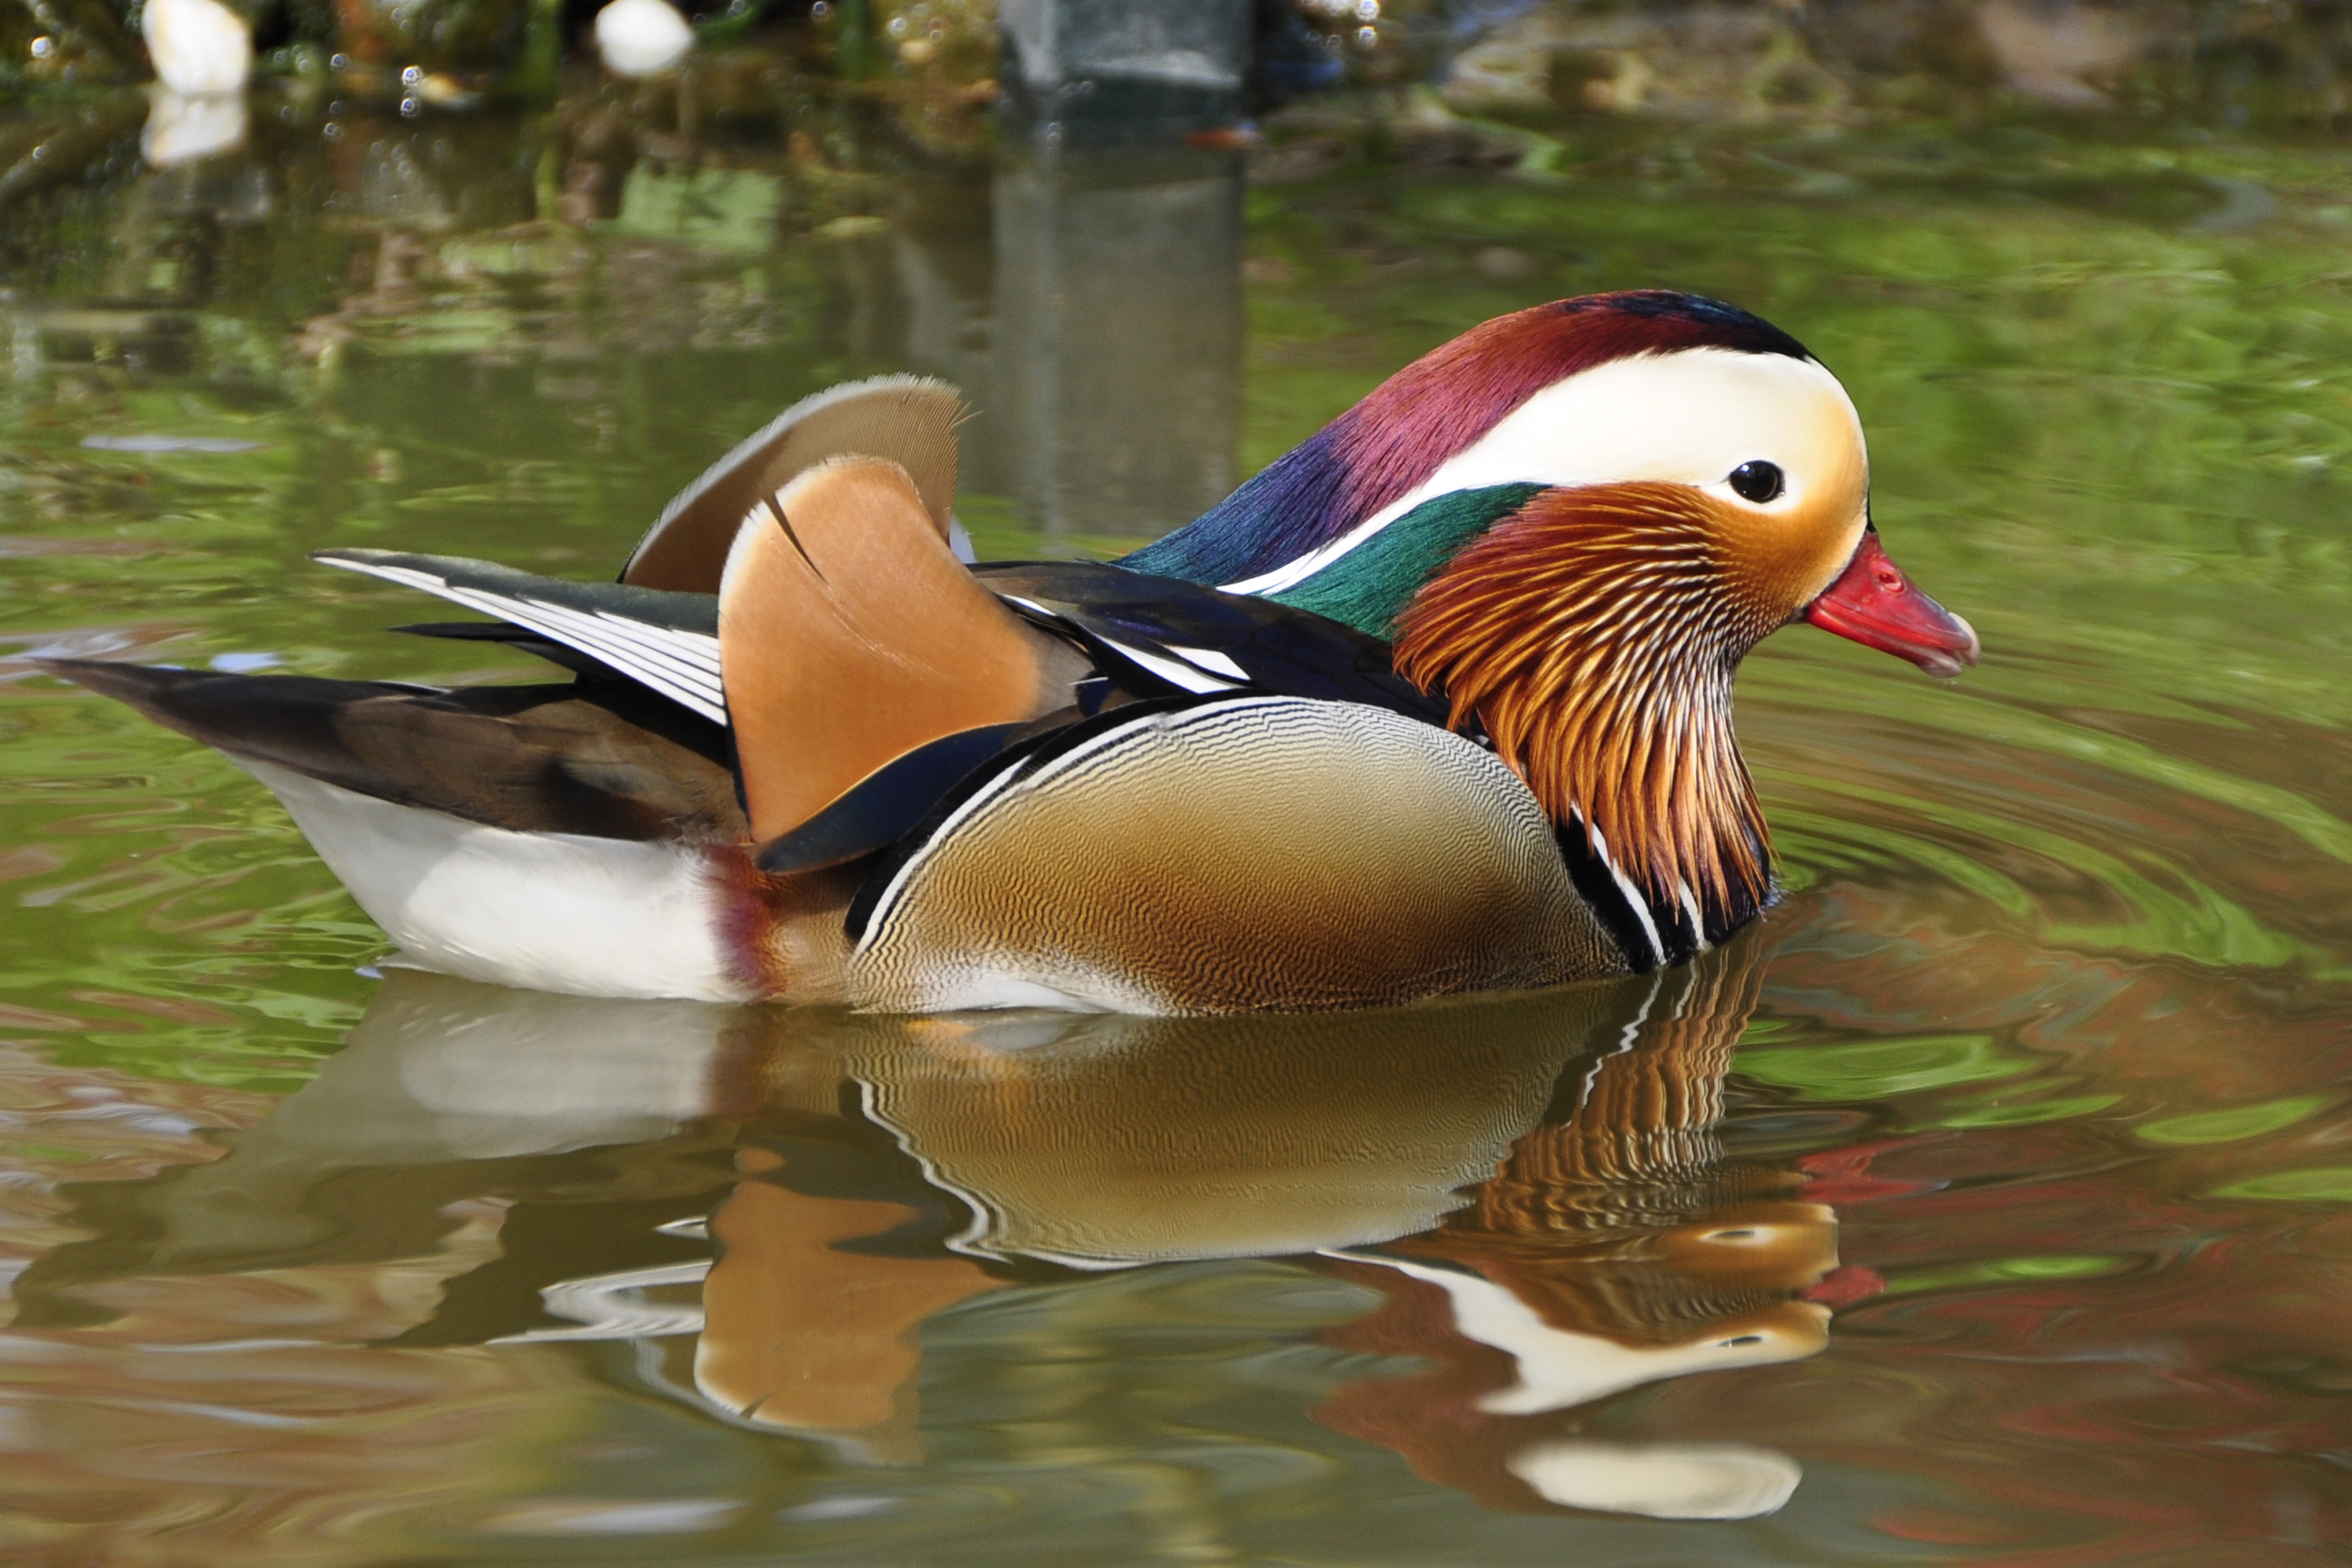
x=1758, y=481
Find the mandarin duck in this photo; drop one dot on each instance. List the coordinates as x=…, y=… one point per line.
x=1439, y=703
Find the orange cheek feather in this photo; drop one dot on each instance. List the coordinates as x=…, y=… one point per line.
x=1594, y=636
x=1776, y=563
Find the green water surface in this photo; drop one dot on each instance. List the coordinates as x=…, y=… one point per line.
x=2032, y=1090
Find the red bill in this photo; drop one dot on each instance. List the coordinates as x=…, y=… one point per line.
x=1874, y=605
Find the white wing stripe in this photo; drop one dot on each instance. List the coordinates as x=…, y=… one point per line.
x=681, y=666
x=407, y=577
x=1174, y=671
x=598, y=635
x=668, y=649
x=694, y=656
x=1196, y=669
x=1209, y=659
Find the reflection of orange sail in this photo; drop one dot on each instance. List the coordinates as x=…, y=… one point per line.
x=1614, y=1247
x=798, y=1333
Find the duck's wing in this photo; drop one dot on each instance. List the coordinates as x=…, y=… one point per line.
x=602, y=760
x=1157, y=635
x=665, y=641
x=1150, y=638
x=850, y=636
x=505, y=633
x=908, y=420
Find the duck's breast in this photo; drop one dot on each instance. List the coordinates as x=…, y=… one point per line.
x=1256, y=854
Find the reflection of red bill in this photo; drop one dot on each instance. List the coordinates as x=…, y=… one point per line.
x=1226, y=138
x=1840, y=1176
x=1874, y=604
x=1842, y=1288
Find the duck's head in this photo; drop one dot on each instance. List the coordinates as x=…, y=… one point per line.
x=1576, y=520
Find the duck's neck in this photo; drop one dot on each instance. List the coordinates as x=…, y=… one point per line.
x=1369, y=587
x=1591, y=635
x=1302, y=501
x=1380, y=450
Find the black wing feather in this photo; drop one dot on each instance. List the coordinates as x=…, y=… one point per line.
x=665, y=641
x=1275, y=648
x=522, y=639
x=607, y=761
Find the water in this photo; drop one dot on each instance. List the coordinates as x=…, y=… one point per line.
x=1991, y=1203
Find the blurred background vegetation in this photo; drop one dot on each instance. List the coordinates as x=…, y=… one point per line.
x=2227, y=62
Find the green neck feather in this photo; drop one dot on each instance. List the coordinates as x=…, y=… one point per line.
x=1370, y=586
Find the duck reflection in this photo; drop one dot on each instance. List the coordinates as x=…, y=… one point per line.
x=1532, y=1185
x=908, y=1164
x=1604, y=1242
x=464, y=1132
x=1614, y=1247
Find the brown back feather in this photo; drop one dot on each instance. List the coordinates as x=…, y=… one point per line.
x=904, y=419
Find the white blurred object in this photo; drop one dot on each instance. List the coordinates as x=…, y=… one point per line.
x=198, y=46
x=181, y=128
x=622, y=1305
x=642, y=38
x=2065, y=55
x=1202, y=45
x=1661, y=1480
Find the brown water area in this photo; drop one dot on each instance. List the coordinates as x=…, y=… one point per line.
x=1989, y=1203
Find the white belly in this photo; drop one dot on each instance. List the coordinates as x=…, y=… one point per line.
x=548, y=911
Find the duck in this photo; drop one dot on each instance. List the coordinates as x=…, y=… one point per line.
x=1439, y=703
